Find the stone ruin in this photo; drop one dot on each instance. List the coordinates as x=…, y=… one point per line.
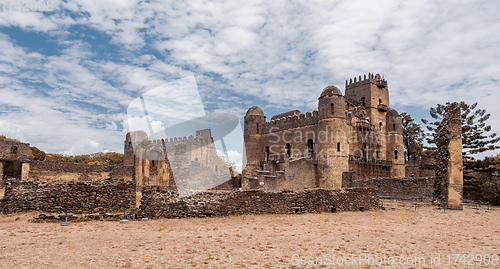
x=448, y=187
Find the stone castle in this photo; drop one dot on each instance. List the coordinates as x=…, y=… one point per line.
x=357, y=133
x=350, y=151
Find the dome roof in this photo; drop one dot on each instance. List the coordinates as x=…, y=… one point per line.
x=330, y=90
x=391, y=112
x=255, y=111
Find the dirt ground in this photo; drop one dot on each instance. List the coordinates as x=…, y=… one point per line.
x=398, y=237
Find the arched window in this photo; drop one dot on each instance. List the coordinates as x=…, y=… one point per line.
x=331, y=108
x=380, y=101
x=310, y=147
x=395, y=155
x=363, y=103
x=288, y=150
x=257, y=127
x=267, y=154
x=338, y=146
x=394, y=126
x=380, y=126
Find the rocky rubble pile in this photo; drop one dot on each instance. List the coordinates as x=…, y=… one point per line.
x=42, y=217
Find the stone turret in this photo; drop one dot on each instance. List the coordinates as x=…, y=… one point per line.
x=254, y=123
x=331, y=103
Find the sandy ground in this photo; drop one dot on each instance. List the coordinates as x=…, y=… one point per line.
x=265, y=241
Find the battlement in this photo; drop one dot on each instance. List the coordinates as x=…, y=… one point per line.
x=290, y=120
x=371, y=78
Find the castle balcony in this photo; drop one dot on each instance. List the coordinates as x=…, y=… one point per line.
x=372, y=161
x=382, y=108
x=364, y=126
x=382, y=83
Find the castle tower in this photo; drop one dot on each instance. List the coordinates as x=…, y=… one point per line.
x=331, y=138
x=372, y=94
x=254, y=151
x=394, y=143
x=132, y=139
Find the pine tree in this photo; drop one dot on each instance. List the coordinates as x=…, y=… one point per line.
x=413, y=137
x=476, y=136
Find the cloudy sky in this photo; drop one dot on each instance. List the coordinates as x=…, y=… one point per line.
x=68, y=75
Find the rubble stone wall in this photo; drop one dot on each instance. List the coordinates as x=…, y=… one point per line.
x=159, y=202
x=75, y=196
x=409, y=188
x=42, y=171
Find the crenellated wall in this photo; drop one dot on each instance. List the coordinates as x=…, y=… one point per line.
x=291, y=122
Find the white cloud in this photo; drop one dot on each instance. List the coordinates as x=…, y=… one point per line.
x=234, y=157
x=82, y=146
x=276, y=54
x=11, y=130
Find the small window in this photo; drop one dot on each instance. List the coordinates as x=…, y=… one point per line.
x=338, y=146
x=310, y=147
x=257, y=127
x=288, y=150
x=331, y=108
x=363, y=103
x=395, y=155
x=394, y=126
x=267, y=154
x=380, y=101
x=380, y=126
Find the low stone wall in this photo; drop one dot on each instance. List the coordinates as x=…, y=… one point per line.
x=159, y=202
x=76, y=196
x=401, y=188
x=419, y=169
x=44, y=171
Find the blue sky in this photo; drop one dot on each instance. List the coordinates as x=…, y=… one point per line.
x=68, y=75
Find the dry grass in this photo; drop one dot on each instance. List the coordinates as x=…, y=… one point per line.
x=266, y=241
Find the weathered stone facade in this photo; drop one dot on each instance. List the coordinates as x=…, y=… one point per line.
x=449, y=170
x=357, y=133
x=42, y=171
x=190, y=159
x=14, y=160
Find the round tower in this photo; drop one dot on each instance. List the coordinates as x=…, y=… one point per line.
x=394, y=144
x=331, y=140
x=331, y=103
x=254, y=123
